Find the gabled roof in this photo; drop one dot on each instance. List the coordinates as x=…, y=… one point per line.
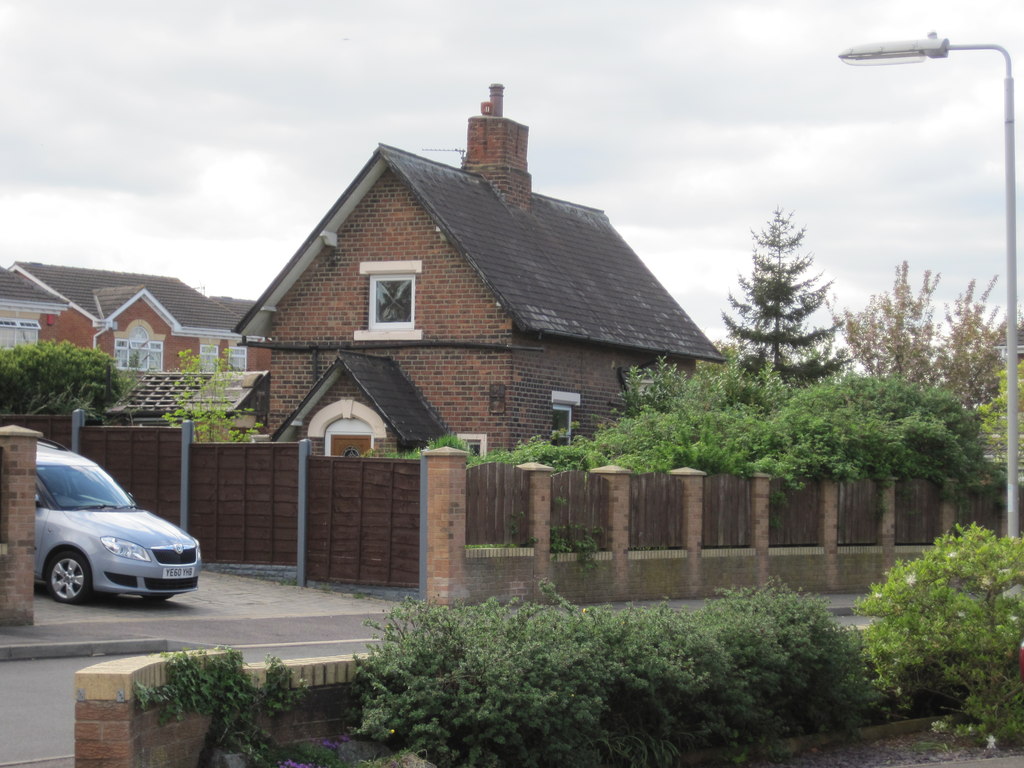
x=387, y=387
x=17, y=292
x=558, y=269
x=101, y=293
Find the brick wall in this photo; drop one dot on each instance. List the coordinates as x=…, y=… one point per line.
x=112, y=731
x=70, y=325
x=619, y=573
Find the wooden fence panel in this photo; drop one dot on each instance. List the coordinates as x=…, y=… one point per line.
x=146, y=461
x=244, y=501
x=52, y=427
x=794, y=514
x=726, y=512
x=918, y=512
x=656, y=512
x=496, y=504
x=579, y=506
x=364, y=521
x=858, y=513
x=986, y=509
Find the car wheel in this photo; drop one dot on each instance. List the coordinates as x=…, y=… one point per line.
x=69, y=578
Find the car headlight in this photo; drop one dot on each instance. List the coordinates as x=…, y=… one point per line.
x=123, y=548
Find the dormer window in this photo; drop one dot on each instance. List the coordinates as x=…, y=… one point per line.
x=392, y=305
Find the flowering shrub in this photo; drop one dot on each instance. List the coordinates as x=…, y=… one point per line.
x=948, y=627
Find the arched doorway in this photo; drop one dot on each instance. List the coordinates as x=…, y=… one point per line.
x=348, y=428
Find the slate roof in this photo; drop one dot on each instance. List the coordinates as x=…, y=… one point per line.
x=559, y=269
x=16, y=289
x=389, y=390
x=237, y=307
x=101, y=292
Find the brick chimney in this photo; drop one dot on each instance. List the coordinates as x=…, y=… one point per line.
x=496, y=149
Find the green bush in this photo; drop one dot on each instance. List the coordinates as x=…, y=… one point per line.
x=53, y=377
x=556, y=685
x=792, y=669
x=947, y=629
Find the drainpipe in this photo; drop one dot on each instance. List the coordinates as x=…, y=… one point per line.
x=305, y=449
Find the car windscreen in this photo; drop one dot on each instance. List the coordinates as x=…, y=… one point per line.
x=82, y=487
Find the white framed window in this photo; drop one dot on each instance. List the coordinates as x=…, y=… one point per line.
x=562, y=404
x=477, y=443
x=138, y=351
x=208, y=354
x=238, y=358
x=392, y=302
x=14, y=332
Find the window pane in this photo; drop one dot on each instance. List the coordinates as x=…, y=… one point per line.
x=561, y=424
x=394, y=301
x=238, y=358
x=208, y=357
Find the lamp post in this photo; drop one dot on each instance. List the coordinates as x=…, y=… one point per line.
x=913, y=51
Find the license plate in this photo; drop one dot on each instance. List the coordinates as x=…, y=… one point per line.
x=184, y=572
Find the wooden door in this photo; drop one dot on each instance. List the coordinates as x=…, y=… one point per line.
x=350, y=445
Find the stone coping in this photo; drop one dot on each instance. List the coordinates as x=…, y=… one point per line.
x=115, y=680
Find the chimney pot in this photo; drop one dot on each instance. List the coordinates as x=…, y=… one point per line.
x=497, y=99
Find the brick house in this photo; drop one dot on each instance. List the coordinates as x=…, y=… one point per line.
x=142, y=321
x=27, y=312
x=432, y=299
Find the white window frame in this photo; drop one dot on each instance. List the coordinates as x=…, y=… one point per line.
x=15, y=331
x=376, y=324
x=389, y=270
x=238, y=358
x=208, y=356
x=564, y=402
x=474, y=439
x=139, y=352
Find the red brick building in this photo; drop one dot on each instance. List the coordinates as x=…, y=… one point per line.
x=432, y=299
x=143, y=321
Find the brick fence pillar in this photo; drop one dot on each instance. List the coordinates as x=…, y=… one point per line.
x=538, y=519
x=693, y=524
x=443, y=527
x=17, y=523
x=760, y=488
x=947, y=510
x=618, y=480
x=887, y=525
x=828, y=529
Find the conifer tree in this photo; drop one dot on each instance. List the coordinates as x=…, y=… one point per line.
x=772, y=324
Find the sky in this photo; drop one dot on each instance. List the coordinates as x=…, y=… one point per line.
x=204, y=139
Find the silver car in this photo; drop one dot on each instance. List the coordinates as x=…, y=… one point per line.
x=90, y=536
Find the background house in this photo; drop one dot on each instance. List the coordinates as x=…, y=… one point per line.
x=27, y=312
x=143, y=321
x=434, y=299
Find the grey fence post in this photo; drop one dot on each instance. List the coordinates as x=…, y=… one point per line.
x=188, y=430
x=305, y=450
x=77, y=422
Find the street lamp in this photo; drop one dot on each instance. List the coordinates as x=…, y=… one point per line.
x=913, y=51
